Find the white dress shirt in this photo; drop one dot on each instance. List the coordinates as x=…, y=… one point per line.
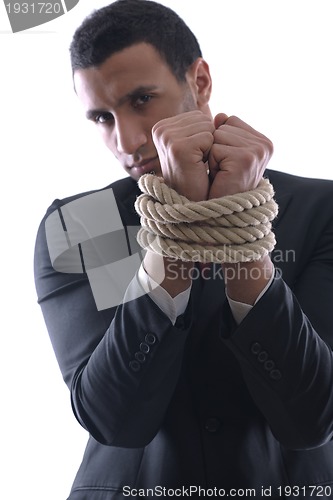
x=174, y=306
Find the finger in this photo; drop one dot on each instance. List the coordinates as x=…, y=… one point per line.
x=234, y=121
x=182, y=118
x=231, y=136
x=219, y=157
x=242, y=137
x=220, y=119
x=223, y=156
x=169, y=130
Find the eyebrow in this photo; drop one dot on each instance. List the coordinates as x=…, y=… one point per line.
x=141, y=90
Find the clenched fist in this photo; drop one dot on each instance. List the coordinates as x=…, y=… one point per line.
x=238, y=157
x=191, y=144
x=183, y=143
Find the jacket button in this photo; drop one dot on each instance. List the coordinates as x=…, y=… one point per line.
x=135, y=366
x=269, y=365
x=255, y=348
x=212, y=425
x=275, y=374
x=139, y=356
x=262, y=356
x=150, y=338
x=144, y=348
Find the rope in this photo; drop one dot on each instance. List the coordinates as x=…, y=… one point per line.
x=234, y=228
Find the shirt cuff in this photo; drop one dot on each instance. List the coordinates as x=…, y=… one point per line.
x=171, y=306
x=175, y=306
x=240, y=309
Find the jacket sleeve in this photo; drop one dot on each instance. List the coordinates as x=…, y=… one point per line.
x=121, y=364
x=284, y=347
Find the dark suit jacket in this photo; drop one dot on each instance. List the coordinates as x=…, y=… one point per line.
x=208, y=404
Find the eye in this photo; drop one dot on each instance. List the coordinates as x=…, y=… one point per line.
x=103, y=118
x=141, y=100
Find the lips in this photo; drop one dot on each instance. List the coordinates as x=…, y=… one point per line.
x=145, y=167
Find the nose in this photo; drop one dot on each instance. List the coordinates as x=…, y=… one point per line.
x=130, y=135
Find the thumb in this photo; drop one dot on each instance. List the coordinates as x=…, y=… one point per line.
x=220, y=119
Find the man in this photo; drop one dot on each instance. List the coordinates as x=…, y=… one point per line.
x=220, y=385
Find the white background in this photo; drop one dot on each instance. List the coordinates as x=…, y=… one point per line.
x=271, y=62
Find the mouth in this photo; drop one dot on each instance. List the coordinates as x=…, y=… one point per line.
x=147, y=166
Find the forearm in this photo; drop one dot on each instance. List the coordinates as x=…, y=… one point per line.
x=124, y=389
x=287, y=368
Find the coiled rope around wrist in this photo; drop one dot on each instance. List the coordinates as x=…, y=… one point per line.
x=235, y=228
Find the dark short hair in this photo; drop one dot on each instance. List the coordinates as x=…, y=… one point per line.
x=126, y=22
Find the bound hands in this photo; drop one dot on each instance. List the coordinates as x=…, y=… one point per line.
x=235, y=156
x=190, y=144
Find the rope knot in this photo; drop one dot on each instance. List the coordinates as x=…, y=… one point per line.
x=234, y=228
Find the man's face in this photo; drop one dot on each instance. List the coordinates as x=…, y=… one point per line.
x=125, y=96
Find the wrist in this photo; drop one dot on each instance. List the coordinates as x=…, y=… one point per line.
x=245, y=281
x=171, y=274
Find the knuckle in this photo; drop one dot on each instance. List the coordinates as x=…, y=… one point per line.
x=209, y=138
x=176, y=148
x=162, y=134
x=265, y=150
x=157, y=129
x=215, y=149
x=249, y=157
x=261, y=151
x=266, y=144
x=233, y=120
x=270, y=147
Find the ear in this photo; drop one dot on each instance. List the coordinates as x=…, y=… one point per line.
x=200, y=81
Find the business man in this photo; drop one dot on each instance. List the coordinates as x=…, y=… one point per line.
x=218, y=384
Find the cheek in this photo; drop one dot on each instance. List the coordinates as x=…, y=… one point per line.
x=178, y=104
x=189, y=103
x=109, y=139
